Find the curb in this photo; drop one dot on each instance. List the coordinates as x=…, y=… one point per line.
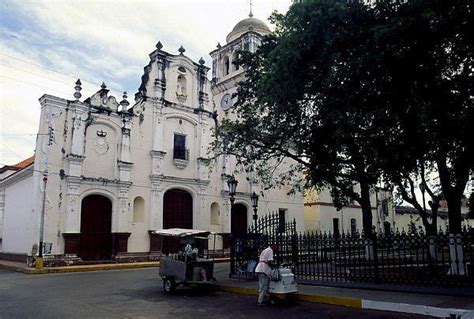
x=364, y=304
x=330, y=300
x=82, y=268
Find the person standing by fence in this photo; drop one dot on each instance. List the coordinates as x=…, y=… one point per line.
x=263, y=269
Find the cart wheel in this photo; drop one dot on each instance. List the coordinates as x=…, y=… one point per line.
x=273, y=300
x=169, y=284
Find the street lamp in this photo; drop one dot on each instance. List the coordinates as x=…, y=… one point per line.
x=254, y=199
x=232, y=184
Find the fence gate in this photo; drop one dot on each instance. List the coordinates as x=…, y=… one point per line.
x=246, y=247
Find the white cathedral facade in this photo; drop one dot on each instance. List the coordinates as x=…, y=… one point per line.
x=118, y=171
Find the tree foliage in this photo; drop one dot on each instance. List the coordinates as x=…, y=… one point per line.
x=353, y=93
x=426, y=50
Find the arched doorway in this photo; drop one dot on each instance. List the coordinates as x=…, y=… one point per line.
x=238, y=224
x=96, y=224
x=177, y=213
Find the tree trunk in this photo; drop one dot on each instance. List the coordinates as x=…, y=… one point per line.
x=366, y=209
x=432, y=229
x=453, y=188
x=454, y=213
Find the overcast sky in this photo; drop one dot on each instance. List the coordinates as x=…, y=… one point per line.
x=45, y=46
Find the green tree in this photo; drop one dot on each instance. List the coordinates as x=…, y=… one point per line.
x=303, y=100
x=351, y=92
x=425, y=50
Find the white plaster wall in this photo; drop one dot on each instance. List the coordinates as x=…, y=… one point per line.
x=344, y=215
x=19, y=217
x=187, y=127
x=101, y=152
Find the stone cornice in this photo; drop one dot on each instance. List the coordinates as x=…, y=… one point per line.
x=157, y=153
x=75, y=158
x=53, y=100
x=104, y=181
x=124, y=164
x=173, y=179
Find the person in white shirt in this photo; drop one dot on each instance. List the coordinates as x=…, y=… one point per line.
x=264, y=268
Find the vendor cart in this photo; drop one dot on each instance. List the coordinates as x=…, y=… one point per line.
x=186, y=265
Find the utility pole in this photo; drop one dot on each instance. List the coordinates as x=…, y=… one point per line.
x=39, y=260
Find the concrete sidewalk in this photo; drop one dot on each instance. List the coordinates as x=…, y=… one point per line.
x=424, y=304
x=433, y=305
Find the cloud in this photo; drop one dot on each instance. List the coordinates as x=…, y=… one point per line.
x=46, y=45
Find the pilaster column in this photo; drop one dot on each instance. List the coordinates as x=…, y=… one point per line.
x=125, y=144
x=158, y=143
x=204, y=137
x=160, y=81
x=156, y=207
x=202, y=214
x=73, y=206
x=121, y=220
x=75, y=165
x=78, y=133
x=157, y=162
x=203, y=169
x=125, y=170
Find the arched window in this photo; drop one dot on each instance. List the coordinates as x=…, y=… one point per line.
x=138, y=210
x=226, y=65
x=215, y=214
x=235, y=56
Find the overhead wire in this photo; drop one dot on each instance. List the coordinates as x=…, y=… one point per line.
x=57, y=72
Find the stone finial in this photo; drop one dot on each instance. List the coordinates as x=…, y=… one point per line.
x=219, y=45
x=181, y=50
x=78, y=88
x=201, y=61
x=250, y=14
x=124, y=103
x=103, y=86
x=159, y=45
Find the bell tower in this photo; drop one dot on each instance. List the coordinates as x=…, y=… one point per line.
x=246, y=35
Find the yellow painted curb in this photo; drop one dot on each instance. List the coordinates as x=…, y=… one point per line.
x=64, y=269
x=331, y=300
x=100, y=267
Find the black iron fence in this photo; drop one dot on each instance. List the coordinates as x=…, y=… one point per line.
x=395, y=259
x=400, y=258
x=269, y=229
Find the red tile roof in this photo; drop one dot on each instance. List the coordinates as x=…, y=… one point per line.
x=18, y=166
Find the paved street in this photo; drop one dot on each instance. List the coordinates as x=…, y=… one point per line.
x=138, y=293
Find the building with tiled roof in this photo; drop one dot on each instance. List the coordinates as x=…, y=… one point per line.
x=10, y=169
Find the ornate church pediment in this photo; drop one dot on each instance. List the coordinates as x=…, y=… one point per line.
x=102, y=100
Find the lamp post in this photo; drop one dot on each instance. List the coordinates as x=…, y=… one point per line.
x=254, y=199
x=232, y=184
